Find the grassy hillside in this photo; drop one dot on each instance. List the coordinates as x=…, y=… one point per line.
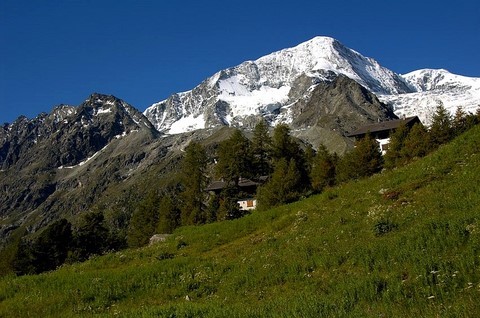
x=403, y=243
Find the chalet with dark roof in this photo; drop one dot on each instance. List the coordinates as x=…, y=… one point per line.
x=381, y=131
x=247, y=187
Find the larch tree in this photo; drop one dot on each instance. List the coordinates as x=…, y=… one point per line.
x=261, y=149
x=194, y=180
x=394, y=155
x=284, y=185
x=322, y=173
x=364, y=160
x=441, y=128
x=417, y=143
x=235, y=158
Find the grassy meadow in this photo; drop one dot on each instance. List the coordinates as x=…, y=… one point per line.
x=402, y=243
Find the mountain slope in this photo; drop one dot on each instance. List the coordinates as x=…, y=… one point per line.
x=400, y=244
x=60, y=163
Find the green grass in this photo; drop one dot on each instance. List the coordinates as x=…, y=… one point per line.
x=402, y=243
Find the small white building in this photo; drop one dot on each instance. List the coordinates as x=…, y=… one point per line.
x=247, y=204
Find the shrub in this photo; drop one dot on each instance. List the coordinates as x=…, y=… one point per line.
x=383, y=227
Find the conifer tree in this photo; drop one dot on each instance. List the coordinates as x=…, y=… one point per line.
x=213, y=206
x=441, y=127
x=363, y=161
x=47, y=252
x=261, y=149
x=323, y=170
x=91, y=236
x=235, y=158
x=283, y=187
x=394, y=155
x=417, y=143
x=369, y=155
x=194, y=180
x=460, y=122
x=284, y=146
x=143, y=222
x=168, y=215
x=24, y=262
x=228, y=208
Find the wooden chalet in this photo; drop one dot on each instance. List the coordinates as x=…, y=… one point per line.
x=247, y=187
x=381, y=131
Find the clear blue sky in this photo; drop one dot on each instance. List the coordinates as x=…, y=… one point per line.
x=54, y=52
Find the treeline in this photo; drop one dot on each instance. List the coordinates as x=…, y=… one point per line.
x=291, y=169
x=61, y=242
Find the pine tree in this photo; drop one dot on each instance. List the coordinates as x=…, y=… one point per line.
x=168, y=215
x=284, y=185
x=235, y=158
x=323, y=170
x=441, y=128
x=261, y=149
x=417, y=143
x=194, y=180
x=394, y=155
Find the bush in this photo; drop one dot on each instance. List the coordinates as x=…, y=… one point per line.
x=383, y=227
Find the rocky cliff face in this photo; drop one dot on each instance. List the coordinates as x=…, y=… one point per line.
x=68, y=135
x=60, y=163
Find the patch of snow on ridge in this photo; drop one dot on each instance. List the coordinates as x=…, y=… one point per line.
x=244, y=102
x=102, y=111
x=85, y=161
x=187, y=123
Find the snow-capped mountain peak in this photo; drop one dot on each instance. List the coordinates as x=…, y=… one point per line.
x=270, y=85
x=432, y=79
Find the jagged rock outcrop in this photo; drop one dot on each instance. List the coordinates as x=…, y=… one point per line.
x=63, y=161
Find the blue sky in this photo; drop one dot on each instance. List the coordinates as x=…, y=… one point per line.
x=54, y=52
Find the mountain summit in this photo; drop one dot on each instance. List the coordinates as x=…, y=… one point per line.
x=272, y=85
x=269, y=86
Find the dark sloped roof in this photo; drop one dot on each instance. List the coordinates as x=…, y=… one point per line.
x=383, y=126
x=216, y=185
x=242, y=183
